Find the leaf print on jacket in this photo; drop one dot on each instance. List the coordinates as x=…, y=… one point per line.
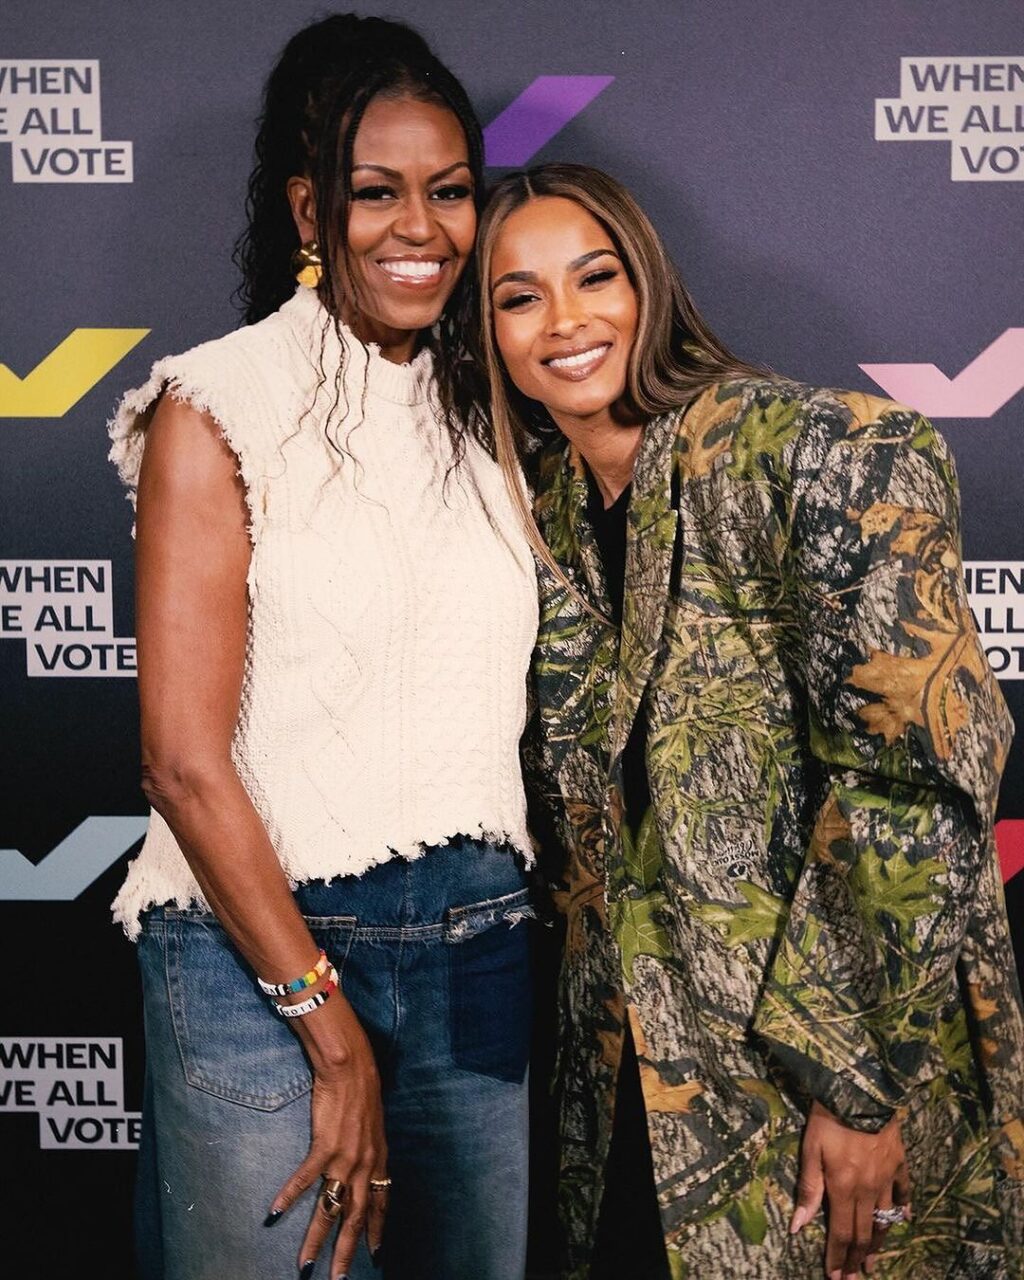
x=811, y=909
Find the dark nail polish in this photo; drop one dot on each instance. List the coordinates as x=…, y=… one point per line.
x=375, y=1255
x=272, y=1217
x=306, y=1270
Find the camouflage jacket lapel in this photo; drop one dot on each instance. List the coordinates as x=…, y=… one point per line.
x=650, y=539
x=563, y=514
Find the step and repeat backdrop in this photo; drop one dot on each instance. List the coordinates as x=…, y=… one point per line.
x=841, y=186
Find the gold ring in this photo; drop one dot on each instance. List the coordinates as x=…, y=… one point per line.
x=380, y=1184
x=332, y=1197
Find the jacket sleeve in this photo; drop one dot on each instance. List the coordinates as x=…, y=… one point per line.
x=910, y=732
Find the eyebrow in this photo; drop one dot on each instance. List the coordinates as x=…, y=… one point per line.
x=399, y=177
x=530, y=277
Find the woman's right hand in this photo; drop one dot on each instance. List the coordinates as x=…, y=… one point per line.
x=347, y=1141
x=858, y=1173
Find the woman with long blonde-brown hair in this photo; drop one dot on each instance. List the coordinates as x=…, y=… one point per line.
x=771, y=744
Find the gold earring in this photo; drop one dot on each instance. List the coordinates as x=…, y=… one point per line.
x=306, y=264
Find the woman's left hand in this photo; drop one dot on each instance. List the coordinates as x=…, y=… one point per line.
x=859, y=1172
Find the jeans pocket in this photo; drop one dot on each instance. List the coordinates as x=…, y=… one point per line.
x=489, y=975
x=231, y=1042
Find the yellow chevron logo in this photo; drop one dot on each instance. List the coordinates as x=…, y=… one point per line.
x=63, y=377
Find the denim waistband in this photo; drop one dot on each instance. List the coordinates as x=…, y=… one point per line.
x=407, y=893
x=452, y=890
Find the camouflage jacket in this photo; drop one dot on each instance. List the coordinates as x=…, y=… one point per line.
x=811, y=908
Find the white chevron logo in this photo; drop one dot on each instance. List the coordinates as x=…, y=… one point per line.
x=69, y=869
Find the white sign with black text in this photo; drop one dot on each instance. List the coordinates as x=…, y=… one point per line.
x=976, y=104
x=64, y=611
x=76, y=1086
x=50, y=114
x=995, y=589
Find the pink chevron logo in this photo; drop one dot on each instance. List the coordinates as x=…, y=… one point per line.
x=978, y=391
x=543, y=109
x=1010, y=843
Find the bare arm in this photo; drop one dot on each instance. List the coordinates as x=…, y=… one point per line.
x=193, y=556
x=192, y=561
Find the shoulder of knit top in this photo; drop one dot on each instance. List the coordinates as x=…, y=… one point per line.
x=253, y=380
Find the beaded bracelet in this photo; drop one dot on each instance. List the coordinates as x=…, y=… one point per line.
x=314, y=1001
x=297, y=984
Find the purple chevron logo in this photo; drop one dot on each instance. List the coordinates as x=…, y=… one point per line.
x=543, y=109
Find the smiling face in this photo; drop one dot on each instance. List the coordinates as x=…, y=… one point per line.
x=565, y=311
x=411, y=221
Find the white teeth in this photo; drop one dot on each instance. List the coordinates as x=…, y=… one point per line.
x=581, y=358
x=411, y=270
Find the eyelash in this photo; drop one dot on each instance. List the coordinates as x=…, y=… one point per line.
x=445, y=195
x=454, y=191
x=517, y=300
x=594, y=277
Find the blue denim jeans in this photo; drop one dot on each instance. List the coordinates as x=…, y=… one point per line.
x=433, y=955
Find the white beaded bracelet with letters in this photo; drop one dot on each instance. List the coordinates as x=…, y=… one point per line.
x=314, y=1001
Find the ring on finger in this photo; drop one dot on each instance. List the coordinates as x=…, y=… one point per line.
x=332, y=1197
x=380, y=1184
x=886, y=1218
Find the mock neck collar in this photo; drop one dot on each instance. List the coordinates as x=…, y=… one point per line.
x=407, y=383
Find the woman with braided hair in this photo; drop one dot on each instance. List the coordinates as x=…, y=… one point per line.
x=336, y=608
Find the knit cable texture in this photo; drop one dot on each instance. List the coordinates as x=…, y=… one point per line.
x=392, y=605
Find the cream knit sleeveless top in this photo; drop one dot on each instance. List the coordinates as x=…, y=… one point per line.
x=392, y=605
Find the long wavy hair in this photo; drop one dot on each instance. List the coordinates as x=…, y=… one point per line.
x=675, y=354
x=313, y=103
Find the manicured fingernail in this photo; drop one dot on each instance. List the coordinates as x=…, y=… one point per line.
x=272, y=1217
x=797, y=1221
x=375, y=1255
x=306, y=1270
